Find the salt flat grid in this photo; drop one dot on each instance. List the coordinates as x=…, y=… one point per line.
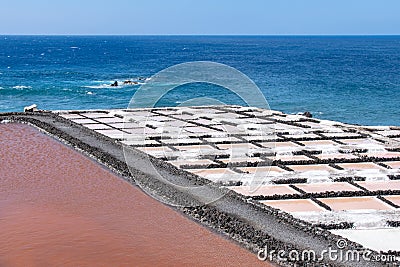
x=319, y=171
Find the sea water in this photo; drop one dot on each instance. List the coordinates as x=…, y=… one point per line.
x=353, y=79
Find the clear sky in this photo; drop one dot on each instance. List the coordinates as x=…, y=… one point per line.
x=200, y=17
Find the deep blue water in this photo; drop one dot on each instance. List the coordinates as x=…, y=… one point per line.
x=350, y=79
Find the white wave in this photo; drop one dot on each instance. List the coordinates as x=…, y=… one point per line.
x=20, y=87
x=89, y=93
x=102, y=81
x=1, y=88
x=101, y=86
x=74, y=47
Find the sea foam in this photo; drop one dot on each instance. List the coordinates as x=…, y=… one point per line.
x=19, y=87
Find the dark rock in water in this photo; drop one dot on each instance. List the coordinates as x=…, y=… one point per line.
x=307, y=114
x=115, y=84
x=129, y=82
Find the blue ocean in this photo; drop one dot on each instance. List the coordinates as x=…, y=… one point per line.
x=349, y=79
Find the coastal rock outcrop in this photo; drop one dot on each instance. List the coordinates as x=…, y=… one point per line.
x=31, y=108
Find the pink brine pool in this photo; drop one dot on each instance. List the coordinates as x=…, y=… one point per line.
x=59, y=208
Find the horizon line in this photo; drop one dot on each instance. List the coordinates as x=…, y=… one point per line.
x=244, y=35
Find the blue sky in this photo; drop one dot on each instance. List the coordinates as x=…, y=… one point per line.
x=200, y=17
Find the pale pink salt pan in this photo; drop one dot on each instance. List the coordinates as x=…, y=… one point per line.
x=325, y=187
x=361, y=166
x=355, y=203
x=311, y=167
x=264, y=190
x=394, y=199
x=393, y=164
x=381, y=185
x=294, y=205
x=264, y=169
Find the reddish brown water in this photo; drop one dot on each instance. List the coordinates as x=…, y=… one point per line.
x=59, y=208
